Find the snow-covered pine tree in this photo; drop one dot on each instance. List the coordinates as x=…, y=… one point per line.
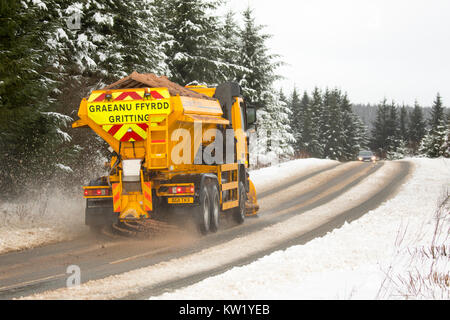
x=285, y=125
x=306, y=136
x=230, y=38
x=313, y=125
x=93, y=43
x=114, y=38
x=437, y=115
x=353, y=130
x=393, y=122
x=397, y=145
x=404, y=123
x=21, y=55
x=93, y=51
x=416, y=129
x=446, y=143
x=361, y=133
x=333, y=132
x=295, y=105
x=399, y=152
x=257, y=81
x=65, y=63
x=381, y=131
x=324, y=121
x=141, y=41
x=193, y=47
x=231, y=49
x=274, y=140
x=29, y=129
x=435, y=142
x=394, y=140
x=283, y=97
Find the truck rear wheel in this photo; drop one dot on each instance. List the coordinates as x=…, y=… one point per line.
x=203, y=214
x=239, y=212
x=215, y=208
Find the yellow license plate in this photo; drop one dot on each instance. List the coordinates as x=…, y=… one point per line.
x=181, y=200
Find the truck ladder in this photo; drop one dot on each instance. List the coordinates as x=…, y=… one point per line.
x=157, y=156
x=232, y=185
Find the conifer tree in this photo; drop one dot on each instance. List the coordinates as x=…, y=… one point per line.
x=393, y=122
x=193, y=47
x=231, y=49
x=403, y=121
x=361, y=133
x=274, y=137
x=47, y=67
x=381, y=131
x=393, y=128
x=28, y=128
x=258, y=81
x=416, y=129
x=314, y=120
x=353, y=130
x=297, y=123
x=334, y=129
x=304, y=128
x=437, y=116
x=435, y=142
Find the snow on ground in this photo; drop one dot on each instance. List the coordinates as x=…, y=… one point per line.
x=373, y=257
x=118, y=286
x=310, y=184
x=40, y=221
x=277, y=175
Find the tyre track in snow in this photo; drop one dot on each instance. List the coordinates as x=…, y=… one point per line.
x=42, y=269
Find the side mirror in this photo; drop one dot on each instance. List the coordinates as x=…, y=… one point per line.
x=251, y=116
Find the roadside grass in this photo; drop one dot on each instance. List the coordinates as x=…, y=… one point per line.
x=36, y=221
x=26, y=213
x=422, y=271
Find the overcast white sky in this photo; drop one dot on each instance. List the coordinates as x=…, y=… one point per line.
x=398, y=49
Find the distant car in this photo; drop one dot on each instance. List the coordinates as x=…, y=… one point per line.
x=367, y=156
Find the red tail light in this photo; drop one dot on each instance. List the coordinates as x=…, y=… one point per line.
x=101, y=192
x=181, y=190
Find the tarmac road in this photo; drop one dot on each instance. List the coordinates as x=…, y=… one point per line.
x=44, y=268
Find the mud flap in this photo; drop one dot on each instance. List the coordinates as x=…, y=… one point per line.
x=251, y=206
x=100, y=212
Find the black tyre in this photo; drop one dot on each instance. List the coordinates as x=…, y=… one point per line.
x=214, y=208
x=239, y=212
x=203, y=214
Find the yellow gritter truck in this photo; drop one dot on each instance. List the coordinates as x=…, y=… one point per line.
x=173, y=148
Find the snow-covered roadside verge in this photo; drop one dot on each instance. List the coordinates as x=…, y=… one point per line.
x=373, y=257
x=41, y=221
x=272, y=177
x=121, y=285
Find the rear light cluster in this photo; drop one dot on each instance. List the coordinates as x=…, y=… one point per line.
x=97, y=192
x=181, y=190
